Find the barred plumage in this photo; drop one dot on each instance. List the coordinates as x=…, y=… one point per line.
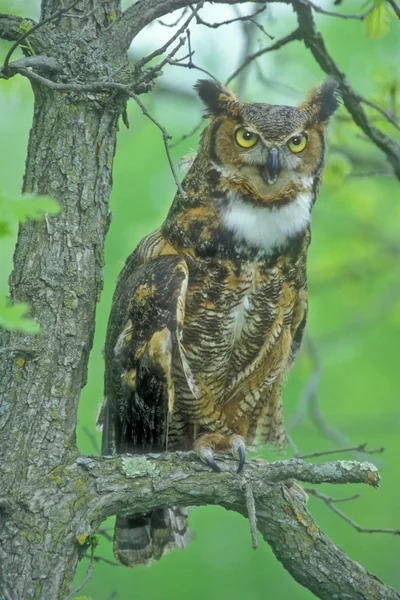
x=210, y=309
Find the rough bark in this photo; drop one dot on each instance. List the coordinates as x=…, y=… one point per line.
x=52, y=499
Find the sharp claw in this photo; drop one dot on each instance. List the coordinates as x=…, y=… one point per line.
x=239, y=451
x=242, y=457
x=206, y=456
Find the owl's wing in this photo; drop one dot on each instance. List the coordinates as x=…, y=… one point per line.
x=143, y=334
x=299, y=322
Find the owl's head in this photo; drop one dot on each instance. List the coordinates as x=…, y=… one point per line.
x=269, y=154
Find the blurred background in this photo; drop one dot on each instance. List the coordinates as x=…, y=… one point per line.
x=344, y=388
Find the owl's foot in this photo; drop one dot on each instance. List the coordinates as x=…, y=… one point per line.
x=209, y=443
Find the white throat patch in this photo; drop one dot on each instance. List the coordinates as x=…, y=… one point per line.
x=263, y=227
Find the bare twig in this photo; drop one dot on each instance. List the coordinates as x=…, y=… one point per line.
x=163, y=48
x=251, y=513
x=321, y=10
x=314, y=41
x=360, y=448
x=241, y=18
x=331, y=503
x=101, y=87
x=191, y=65
x=318, y=494
x=383, y=112
x=92, y=438
x=200, y=21
x=23, y=37
x=189, y=134
x=150, y=73
x=395, y=7
x=175, y=23
x=295, y=35
x=85, y=579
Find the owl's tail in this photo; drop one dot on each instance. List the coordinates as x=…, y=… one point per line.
x=141, y=539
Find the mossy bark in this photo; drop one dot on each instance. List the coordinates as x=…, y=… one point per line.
x=58, y=272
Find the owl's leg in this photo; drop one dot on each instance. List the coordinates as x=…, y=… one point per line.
x=209, y=443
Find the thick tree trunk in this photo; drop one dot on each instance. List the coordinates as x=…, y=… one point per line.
x=58, y=271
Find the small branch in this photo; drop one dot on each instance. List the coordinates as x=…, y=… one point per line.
x=317, y=494
x=360, y=448
x=242, y=18
x=383, y=112
x=351, y=99
x=295, y=35
x=321, y=10
x=161, y=50
x=101, y=87
x=23, y=37
x=331, y=503
x=37, y=61
x=175, y=23
x=124, y=29
x=189, y=134
x=85, y=579
x=395, y=8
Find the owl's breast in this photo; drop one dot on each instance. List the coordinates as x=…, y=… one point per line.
x=235, y=315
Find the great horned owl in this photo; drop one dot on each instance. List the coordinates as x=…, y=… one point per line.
x=210, y=309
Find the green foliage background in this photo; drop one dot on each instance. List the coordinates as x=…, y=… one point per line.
x=354, y=279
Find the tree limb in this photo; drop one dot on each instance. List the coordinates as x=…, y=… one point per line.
x=136, y=17
x=143, y=483
x=351, y=99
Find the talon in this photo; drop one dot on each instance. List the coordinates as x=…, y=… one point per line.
x=206, y=456
x=239, y=451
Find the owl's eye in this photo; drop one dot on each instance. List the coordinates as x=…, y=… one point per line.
x=297, y=143
x=246, y=138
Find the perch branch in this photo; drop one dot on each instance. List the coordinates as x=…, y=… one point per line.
x=134, y=484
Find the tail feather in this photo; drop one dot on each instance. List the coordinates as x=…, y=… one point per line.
x=141, y=539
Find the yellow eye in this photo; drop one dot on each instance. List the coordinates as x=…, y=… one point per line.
x=246, y=138
x=297, y=143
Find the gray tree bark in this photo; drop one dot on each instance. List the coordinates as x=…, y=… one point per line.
x=51, y=498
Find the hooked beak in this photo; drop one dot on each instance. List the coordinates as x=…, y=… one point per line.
x=270, y=171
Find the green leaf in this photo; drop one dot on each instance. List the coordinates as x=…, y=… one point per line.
x=22, y=209
x=12, y=317
x=83, y=598
x=376, y=22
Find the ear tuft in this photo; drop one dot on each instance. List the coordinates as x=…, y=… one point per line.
x=323, y=100
x=214, y=96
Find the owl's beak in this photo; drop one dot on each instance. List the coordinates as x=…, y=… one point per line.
x=270, y=171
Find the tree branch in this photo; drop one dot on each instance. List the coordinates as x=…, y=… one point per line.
x=136, y=17
x=10, y=27
x=351, y=99
x=134, y=484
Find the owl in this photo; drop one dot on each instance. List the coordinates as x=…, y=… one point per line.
x=210, y=309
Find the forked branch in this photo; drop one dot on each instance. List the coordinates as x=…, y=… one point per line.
x=135, y=484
